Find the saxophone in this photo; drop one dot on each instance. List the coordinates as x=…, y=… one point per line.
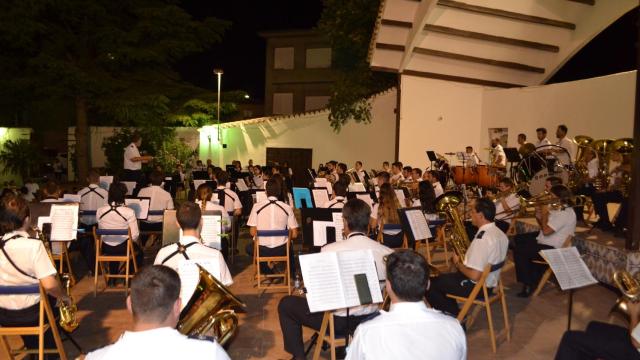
x=459, y=240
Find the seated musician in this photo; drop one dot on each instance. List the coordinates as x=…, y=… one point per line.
x=409, y=330
x=602, y=340
x=332, y=172
x=160, y=199
x=489, y=247
x=498, y=157
x=115, y=215
x=396, y=173
x=92, y=197
x=204, y=194
x=507, y=204
x=341, y=168
x=385, y=167
x=471, y=157
x=406, y=174
x=566, y=143
x=257, y=177
x=427, y=196
x=432, y=177
x=416, y=174
x=155, y=304
x=550, y=182
x=383, y=177
x=24, y=261
x=293, y=311
x=51, y=192
x=338, y=198
x=541, y=134
x=385, y=211
x=614, y=194
x=360, y=173
x=272, y=214
x=228, y=199
x=190, y=246
x=557, y=222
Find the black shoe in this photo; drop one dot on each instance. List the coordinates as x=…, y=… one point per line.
x=525, y=293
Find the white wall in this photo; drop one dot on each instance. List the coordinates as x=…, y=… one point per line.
x=371, y=143
x=437, y=115
x=601, y=107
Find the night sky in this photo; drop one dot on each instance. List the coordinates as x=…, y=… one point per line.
x=242, y=52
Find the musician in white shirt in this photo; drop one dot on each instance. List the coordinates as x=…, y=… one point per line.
x=132, y=161
x=338, y=198
x=508, y=205
x=189, y=246
x=471, y=157
x=498, y=157
x=293, y=311
x=24, y=261
x=409, y=330
x=565, y=143
x=160, y=199
x=432, y=177
x=541, y=134
x=396, y=173
x=203, y=199
x=360, y=173
x=92, y=198
x=155, y=304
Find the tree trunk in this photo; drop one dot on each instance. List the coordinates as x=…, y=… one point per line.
x=82, y=143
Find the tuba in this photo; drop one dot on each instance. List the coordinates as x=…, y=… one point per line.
x=209, y=309
x=459, y=240
x=623, y=146
x=602, y=148
x=630, y=288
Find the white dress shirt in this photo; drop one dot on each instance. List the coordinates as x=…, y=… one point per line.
x=395, y=178
x=491, y=248
x=563, y=222
x=513, y=202
x=91, y=198
x=410, y=330
x=592, y=168
x=160, y=200
x=231, y=201
x=437, y=188
x=499, y=157
x=335, y=203
x=131, y=152
x=543, y=142
x=159, y=344
x=358, y=241
x=32, y=258
x=361, y=177
x=111, y=220
x=211, y=206
x=568, y=145
x=275, y=215
x=198, y=251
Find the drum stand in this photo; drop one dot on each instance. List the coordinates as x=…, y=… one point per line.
x=464, y=190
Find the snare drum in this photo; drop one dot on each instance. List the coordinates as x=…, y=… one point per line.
x=465, y=176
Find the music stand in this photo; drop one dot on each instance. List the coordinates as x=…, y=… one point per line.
x=513, y=156
x=432, y=156
x=309, y=215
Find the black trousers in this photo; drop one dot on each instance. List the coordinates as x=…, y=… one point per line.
x=30, y=317
x=276, y=251
x=587, y=190
x=294, y=313
x=121, y=249
x=525, y=251
x=451, y=283
x=148, y=226
x=86, y=245
x=600, y=201
x=134, y=175
x=598, y=341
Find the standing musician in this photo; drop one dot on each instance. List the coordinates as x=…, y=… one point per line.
x=293, y=311
x=409, y=330
x=471, y=157
x=272, y=214
x=489, y=247
x=566, y=143
x=524, y=147
x=338, y=198
x=557, y=223
x=92, y=197
x=541, y=134
x=116, y=215
x=190, y=246
x=24, y=261
x=498, y=157
x=160, y=199
x=133, y=161
x=154, y=302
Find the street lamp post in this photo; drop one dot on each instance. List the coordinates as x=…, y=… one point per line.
x=219, y=73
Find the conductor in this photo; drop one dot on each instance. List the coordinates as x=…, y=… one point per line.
x=133, y=161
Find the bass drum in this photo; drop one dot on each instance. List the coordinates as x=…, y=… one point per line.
x=552, y=158
x=462, y=175
x=536, y=186
x=487, y=176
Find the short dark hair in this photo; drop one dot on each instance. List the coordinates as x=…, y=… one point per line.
x=222, y=178
x=357, y=214
x=156, y=178
x=13, y=211
x=344, y=178
x=507, y=181
x=522, y=136
x=434, y=174
x=51, y=188
x=273, y=187
x=385, y=163
x=408, y=274
x=407, y=168
x=562, y=192
x=136, y=137
x=117, y=192
x=340, y=188
x=554, y=180
x=418, y=171
x=93, y=176
x=359, y=162
x=542, y=130
x=343, y=167
x=384, y=176
x=154, y=291
x=188, y=215
x=563, y=128
x=486, y=207
x=397, y=164
x=469, y=147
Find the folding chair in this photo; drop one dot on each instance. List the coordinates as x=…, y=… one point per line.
x=392, y=238
x=233, y=238
x=436, y=227
x=257, y=259
x=485, y=300
x=62, y=258
x=331, y=339
x=40, y=329
x=130, y=255
x=547, y=273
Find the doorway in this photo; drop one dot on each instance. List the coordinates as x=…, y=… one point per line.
x=299, y=161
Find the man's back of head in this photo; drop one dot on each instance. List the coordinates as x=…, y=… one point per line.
x=154, y=293
x=356, y=214
x=407, y=275
x=188, y=216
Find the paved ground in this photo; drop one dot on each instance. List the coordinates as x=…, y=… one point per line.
x=537, y=323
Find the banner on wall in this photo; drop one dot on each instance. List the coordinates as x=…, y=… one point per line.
x=499, y=133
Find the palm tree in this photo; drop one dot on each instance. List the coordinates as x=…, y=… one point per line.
x=19, y=157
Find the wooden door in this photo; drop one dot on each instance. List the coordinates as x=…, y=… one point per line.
x=299, y=161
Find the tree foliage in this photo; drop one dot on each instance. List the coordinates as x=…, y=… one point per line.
x=349, y=25
x=19, y=157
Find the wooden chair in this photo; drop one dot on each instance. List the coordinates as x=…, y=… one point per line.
x=100, y=259
x=485, y=300
x=331, y=339
x=382, y=236
x=436, y=227
x=547, y=273
x=46, y=312
x=257, y=260
x=233, y=238
x=62, y=258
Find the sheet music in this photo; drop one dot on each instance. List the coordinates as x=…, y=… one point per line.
x=418, y=224
x=320, y=232
x=64, y=222
x=569, y=268
x=261, y=196
x=366, y=198
x=130, y=186
x=357, y=187
x=210, y=232
x=338, y=224
x=400, y=196
x=189, y=275
x=241, y=185
x=358, y=262
x=105, y=182
x=140, y=206
x=320, y=197
x=72, y=198
x=321, y=276
x=321, y=182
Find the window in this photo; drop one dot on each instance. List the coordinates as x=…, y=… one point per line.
x=319, y=58
x=315, y=102
x=283, y=58
x=282, y=103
